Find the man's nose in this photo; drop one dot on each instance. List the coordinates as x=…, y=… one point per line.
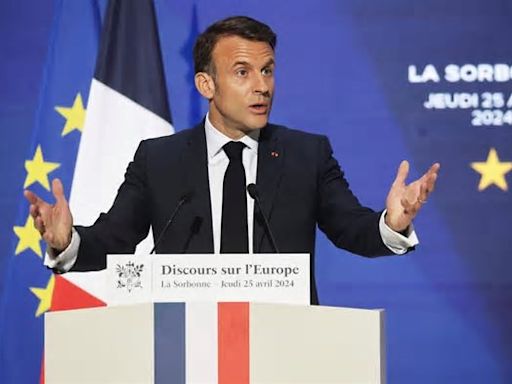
x=262, y=84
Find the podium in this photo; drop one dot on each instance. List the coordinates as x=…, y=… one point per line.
x=215, y=343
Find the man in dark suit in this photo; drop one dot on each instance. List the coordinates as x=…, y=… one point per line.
x=206, y=169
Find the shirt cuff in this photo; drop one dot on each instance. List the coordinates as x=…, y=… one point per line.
x=396, y=242
x=63, y=261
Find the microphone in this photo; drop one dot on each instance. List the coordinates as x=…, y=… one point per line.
x=253, y=192
x=184, y=199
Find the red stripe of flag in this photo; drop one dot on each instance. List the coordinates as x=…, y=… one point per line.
x=67, y=295
x=233, y=329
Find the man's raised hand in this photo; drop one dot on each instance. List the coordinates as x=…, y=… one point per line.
x=54, y=222
x=405, y=200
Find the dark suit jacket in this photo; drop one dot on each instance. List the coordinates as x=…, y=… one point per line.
x=299, y=182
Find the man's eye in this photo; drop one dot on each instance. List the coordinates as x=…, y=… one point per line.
x=241, y=72
x=267, y=71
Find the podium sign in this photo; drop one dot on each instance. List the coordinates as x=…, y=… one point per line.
x=270, y=278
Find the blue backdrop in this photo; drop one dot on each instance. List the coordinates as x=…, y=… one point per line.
x=360, y=72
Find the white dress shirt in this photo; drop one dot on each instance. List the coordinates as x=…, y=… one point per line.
x=217, y=165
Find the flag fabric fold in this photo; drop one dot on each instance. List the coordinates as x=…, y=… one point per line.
x=127, y=103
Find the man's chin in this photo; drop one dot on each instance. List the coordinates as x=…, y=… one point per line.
x=257, y=122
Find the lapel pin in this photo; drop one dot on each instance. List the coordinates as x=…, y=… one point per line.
x=274, y=154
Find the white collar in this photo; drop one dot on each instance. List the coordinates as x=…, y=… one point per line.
x=215, y=139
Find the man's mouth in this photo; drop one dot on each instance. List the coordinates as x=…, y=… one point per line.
x=259, y=108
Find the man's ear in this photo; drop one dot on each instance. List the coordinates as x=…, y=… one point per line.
x=205, y=85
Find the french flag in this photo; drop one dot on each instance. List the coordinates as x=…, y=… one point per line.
x=127, y=103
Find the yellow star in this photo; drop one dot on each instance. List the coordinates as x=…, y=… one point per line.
x=45, y=296
x=75, y=116
x=29, y=237
x=38, y=169
x=493, y=171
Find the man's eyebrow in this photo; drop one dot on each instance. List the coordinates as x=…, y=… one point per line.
x=247, y=64
x=241, y=62
x=269, y=62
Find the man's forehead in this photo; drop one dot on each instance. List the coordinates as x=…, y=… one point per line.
x=232, y=49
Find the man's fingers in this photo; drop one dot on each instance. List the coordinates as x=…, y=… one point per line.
x=430, y=184
x=432, y=171
x=424, y=191
x=58, y=190
x=34, y=210
x=434, y=168
x=403, y=171
x=434, y=174
x=38, y=207
x=39, y=224
x=31, y=197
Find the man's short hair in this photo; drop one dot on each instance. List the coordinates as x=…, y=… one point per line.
x=241, y=26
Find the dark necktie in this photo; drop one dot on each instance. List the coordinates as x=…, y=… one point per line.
x=234, y=203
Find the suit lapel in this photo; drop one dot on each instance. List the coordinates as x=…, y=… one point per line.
x=195, y=176
x=269, y=172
